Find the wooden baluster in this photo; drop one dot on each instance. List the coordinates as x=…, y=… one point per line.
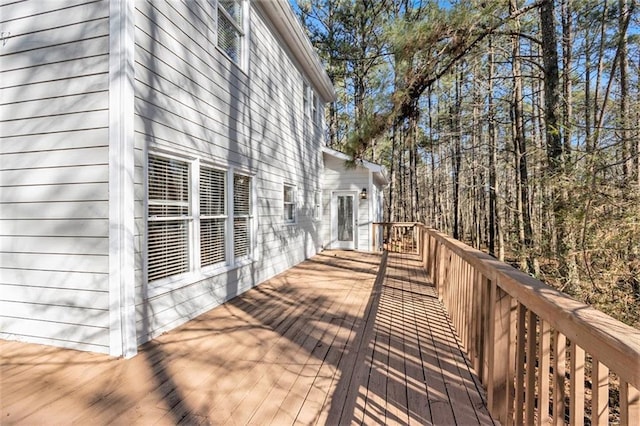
x=499, y=330
x=473, y=316
x=453, y=289
x=576, y=391
x=520, y=364
x=486, y=307
x=629, y=404
x=434, y=261
x=468, y=306
x=511, y=362
x=530, y=391
x=543, y=372
x=442, y=252
x=559, y=371
x=599, y=393
x=477, y=321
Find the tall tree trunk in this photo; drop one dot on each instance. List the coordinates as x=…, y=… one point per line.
x=390, y=210
x=493, y=217
x=625, y=112
x=567, y=87
x=557, y=171
x=520, y=152
x=456, y=160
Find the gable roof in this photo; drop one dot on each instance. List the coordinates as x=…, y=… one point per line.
x=289, y=28
x=379, y=171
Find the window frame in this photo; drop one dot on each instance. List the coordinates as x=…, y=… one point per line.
x=241, y=28
x=188, y=219
x=195, y=270
x=293, y=203
x=317, y=205
x=249, y=216
x=224, y=217
x=306, y=105
x=314, y=108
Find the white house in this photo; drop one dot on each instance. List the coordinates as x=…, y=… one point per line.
x=354, y=200
x=158, y=159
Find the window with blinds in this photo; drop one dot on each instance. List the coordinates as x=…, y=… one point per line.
x=289, y=204
x=230, y=31
x=212, y=216
x=190, y=227
x=168, y=243
x=241, y=215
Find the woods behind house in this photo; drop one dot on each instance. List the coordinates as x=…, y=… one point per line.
x=511, y=125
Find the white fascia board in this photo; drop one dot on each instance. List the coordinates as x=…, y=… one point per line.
x=286, y=23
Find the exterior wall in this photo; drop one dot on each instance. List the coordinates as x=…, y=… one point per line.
x=193, y=101
x=54, y=173
x=337, y=177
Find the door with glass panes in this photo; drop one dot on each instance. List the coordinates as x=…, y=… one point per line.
x=343, y=220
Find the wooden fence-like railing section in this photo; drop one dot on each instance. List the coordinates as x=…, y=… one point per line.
x=542, y=356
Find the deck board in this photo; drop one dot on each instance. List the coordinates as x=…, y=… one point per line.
x=330, y=341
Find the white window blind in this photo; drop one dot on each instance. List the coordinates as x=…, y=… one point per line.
x=212, y=216
x=241, y=215
x=289, y=204
x=168, y=244
x=230, y=30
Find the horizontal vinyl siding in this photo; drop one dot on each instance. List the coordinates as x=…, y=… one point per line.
x=54, y=173
x=192, y=101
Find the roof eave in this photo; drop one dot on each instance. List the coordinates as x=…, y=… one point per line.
x=285, y=22
x=379, y=171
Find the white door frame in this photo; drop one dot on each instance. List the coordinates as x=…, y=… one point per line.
x=347, y=245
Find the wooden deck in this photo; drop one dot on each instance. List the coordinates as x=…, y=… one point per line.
x=330, y=341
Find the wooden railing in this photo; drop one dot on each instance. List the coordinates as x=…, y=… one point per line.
x=542, y=356
x=398, y=237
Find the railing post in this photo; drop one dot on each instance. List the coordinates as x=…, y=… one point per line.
x=498, y=388
x=374, y=243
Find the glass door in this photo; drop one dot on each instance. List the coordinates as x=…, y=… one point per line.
x=344, y=221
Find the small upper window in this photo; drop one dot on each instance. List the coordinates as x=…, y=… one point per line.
x=230, y=29
x=305, y=99
x=317, y=205
x=289, y=204
x=314, y=108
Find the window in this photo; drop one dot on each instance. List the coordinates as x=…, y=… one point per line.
x=241, y=215
x=317, y=203
x=314, y=108
x=230, y=29
x=196, y=213
x=289, y=204
x=212, y=216
x=168, y=246
x=305, y=99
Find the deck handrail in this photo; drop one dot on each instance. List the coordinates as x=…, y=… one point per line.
x=493, y=306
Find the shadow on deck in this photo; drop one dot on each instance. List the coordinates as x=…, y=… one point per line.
x=338, y=339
